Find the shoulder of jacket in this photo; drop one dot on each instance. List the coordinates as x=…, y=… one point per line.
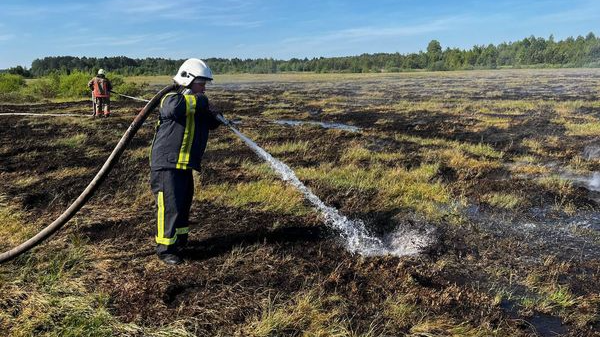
x=171, y=98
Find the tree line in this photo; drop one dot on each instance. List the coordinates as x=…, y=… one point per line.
x=528, y=52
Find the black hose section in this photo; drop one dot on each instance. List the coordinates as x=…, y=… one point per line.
x=94, y=184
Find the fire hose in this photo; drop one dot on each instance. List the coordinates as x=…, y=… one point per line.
x=130, y=97
x=94, y=184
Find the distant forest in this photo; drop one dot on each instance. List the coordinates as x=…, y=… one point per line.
x=529, y=52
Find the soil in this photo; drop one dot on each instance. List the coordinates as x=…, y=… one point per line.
x=238, y=258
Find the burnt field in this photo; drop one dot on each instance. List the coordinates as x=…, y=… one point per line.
x=500, y=170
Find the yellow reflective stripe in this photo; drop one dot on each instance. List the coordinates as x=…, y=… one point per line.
x=188, y=134
x=182, y=230
x=160, y=238
x=161, y=215
x=165, y=96
x=166, y=241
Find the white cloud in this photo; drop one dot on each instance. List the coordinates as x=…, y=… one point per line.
x=7, y=37
x=234, y=20
x=145, y=6
x=372, y=32
x=125, y=40
x=225, y=13
x=30, y=11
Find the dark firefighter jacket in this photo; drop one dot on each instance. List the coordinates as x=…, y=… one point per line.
x=182, y=132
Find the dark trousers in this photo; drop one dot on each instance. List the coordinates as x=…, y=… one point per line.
x=173, y=191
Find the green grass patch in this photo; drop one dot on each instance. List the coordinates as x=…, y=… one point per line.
x=503, y=200
x=480, y=149
x=75, y=141
x=263, y=195
x=583, y=129
x=561, y=297
x=259, y=170
x=556, y=184
x=415, y=189
x=12, y=220
x=356, y=153
x=462, y=162
x=496, y=122
x=288, y=147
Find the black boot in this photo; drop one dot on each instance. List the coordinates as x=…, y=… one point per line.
x=172, y=259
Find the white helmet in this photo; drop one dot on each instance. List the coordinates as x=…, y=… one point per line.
x=100, y=71
x=190, y=69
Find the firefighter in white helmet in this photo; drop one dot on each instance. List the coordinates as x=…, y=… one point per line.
x=101, y=88
x=185, y=119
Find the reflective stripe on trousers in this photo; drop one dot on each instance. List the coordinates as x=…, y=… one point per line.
x=174, y=190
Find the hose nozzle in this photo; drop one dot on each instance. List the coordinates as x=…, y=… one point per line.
x=222, y=119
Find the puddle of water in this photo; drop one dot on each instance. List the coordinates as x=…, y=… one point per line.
x=338, y=126
x=544, y=325
x=354, y=232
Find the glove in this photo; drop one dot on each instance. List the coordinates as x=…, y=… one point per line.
x=219, y=116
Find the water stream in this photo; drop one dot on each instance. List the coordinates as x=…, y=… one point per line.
x=354, y=232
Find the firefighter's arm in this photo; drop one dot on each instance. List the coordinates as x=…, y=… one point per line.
x=204, y=108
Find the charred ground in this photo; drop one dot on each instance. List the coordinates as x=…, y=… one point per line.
x=483, y=160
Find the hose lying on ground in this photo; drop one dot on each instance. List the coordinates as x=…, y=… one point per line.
x=94, y=184
x=39, y=115
x=130, y=97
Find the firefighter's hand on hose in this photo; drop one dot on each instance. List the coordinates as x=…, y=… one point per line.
x=219, y=116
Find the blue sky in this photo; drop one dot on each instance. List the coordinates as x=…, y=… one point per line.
x=275, y=28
